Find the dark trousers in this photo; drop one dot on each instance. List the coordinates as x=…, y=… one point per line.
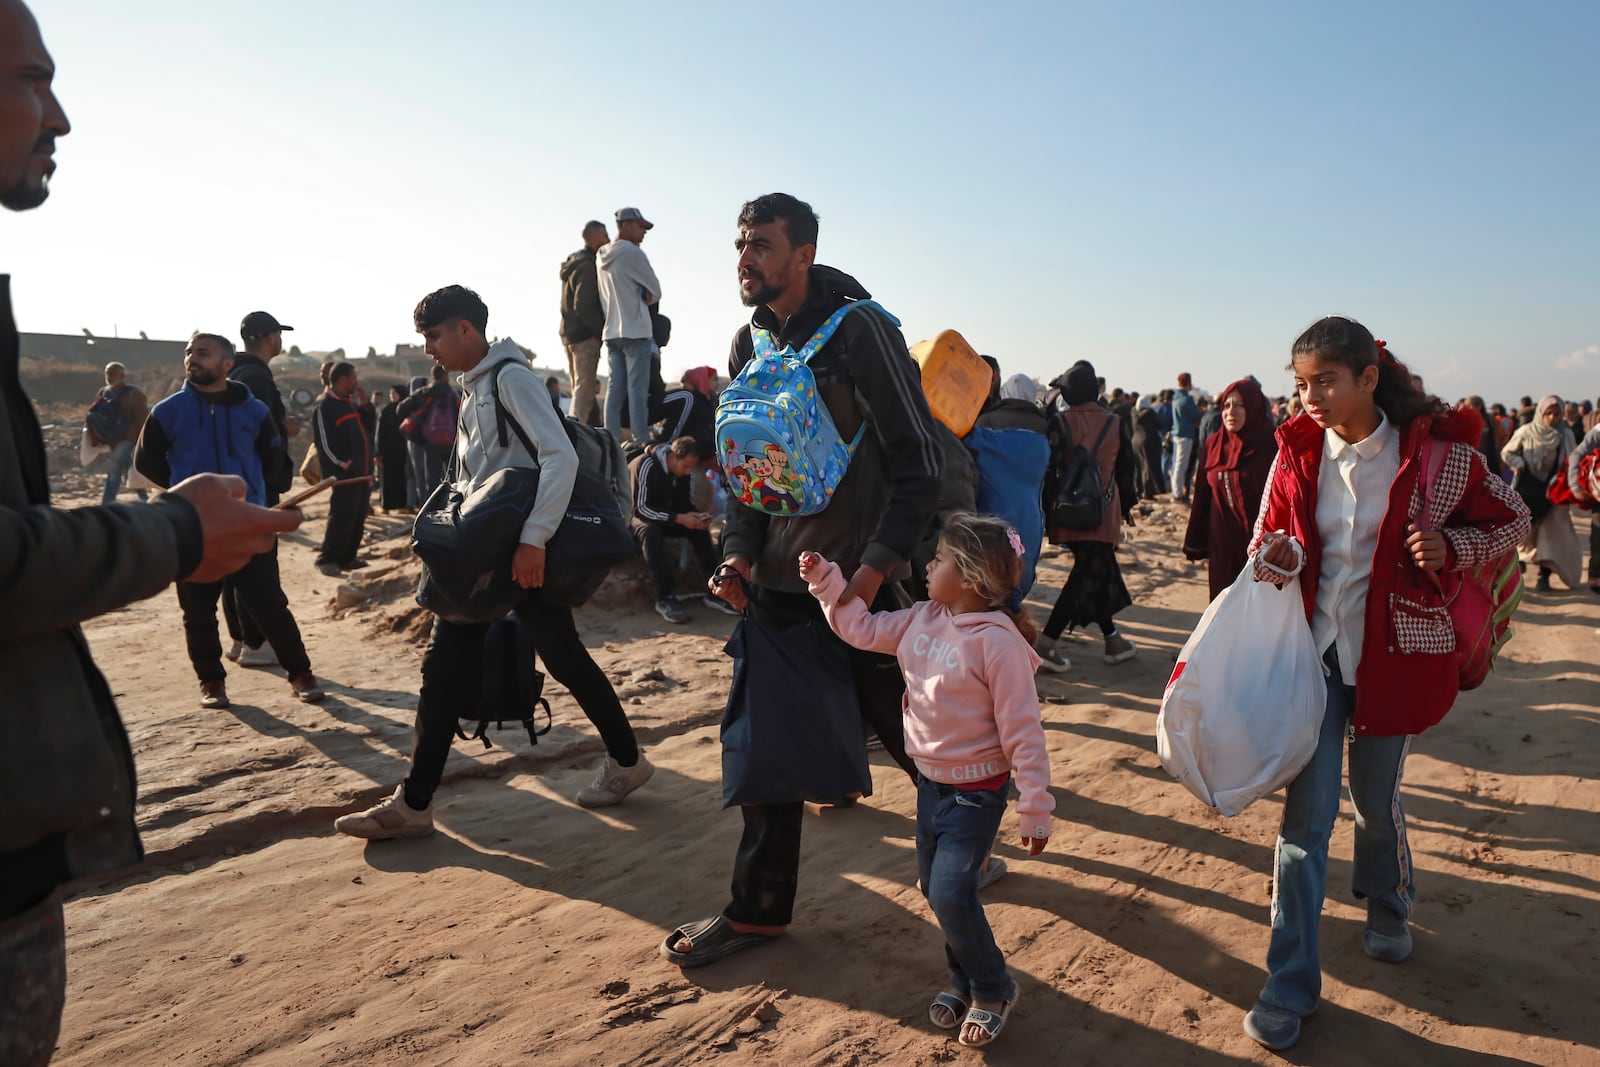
x=256, y=584
x=452, y=669
x=1594, y=547
x=241, y=624
x=662, y=560
x=347, y=518
x=766, y=869
x=33, y=983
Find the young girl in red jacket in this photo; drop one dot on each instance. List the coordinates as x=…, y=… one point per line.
x=1343, y=511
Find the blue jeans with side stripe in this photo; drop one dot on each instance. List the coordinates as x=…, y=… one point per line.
x=1383, y=874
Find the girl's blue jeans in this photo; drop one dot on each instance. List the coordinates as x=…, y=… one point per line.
x=955, y=830
x=1382, y=868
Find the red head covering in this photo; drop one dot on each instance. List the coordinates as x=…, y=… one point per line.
x=1255, y=444
x=700, y=379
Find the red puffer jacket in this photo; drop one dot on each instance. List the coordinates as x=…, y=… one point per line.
x=1406, y=680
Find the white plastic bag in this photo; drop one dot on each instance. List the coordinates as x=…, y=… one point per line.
x=90, y=450
x=1244, y=706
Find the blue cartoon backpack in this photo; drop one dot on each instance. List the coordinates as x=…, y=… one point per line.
x=779, y=448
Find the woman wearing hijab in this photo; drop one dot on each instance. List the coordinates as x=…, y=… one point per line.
x=1094, y=591
x=1237, y=465
x=394, y=461
x=1146, y=444
x=1535, y=452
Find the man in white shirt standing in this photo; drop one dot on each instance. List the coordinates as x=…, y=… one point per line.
x=628, y=287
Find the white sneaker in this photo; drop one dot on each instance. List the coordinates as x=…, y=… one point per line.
x=258, y=657
x=234, y=650
x=389, y=818
x=614, y=781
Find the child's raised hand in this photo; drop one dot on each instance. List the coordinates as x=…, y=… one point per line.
x=1427, y=548
x=810, y=564
x=1035, y=844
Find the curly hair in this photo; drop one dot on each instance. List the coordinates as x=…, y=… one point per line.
x=448, y=304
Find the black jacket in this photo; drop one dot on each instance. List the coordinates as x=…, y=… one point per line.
x=886, y=502
x=582, y=316
x=66, y=771
x=256, y=376
x=344, y=441
x=657, y=495
x=415, y=405
x=688, y=413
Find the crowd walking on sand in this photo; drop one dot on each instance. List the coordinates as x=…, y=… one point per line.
x=876, y=550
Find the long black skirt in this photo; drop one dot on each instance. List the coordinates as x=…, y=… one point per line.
x=1094, y=591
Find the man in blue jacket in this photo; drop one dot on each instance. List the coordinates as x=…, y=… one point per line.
x=213, y=425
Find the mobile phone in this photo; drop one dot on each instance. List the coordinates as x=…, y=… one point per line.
x=306, y=494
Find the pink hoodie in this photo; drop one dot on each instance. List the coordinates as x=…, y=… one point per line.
x=971, y=709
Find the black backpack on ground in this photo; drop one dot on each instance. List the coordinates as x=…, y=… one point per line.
x=513, y=688
x=1080, y=500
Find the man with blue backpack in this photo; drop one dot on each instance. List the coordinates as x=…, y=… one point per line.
x=826, y=437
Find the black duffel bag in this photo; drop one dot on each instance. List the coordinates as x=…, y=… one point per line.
x=466, y=541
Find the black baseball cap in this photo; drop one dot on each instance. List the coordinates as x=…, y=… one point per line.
x=258, y=324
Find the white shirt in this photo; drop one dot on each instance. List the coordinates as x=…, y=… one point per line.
x=1352, y=496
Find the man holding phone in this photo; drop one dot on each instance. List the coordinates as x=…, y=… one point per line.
x=663, y=507
x=214, y=425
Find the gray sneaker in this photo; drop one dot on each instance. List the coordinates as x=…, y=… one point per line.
x=389, y=818
x=614, y=781
x=716, y=603
x=668, y=609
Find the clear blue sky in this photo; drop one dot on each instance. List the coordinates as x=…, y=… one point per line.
x=1155, y=187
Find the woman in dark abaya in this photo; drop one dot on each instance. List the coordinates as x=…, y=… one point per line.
x=1238, y=463
x=1147, y=449
x=390, y=446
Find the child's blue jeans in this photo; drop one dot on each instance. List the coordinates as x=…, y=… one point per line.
x=955, y=830
x=1382, y=867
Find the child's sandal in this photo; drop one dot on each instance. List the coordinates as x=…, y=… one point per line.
x=948, y=1010
x=991, y=1023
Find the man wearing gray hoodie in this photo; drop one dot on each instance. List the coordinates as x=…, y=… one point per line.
x=497, y=380
x=628, y=287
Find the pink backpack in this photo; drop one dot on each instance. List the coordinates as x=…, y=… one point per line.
x=1480, y=599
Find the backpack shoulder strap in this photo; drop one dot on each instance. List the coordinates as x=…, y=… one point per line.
x=503, y=418
x=1105, y=428
x=826, y=331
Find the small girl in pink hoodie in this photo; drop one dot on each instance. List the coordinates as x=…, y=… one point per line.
x=971, y=720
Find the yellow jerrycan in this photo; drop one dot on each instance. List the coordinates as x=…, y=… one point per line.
x=955, y=380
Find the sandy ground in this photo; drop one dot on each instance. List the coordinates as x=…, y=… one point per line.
x=527, y=928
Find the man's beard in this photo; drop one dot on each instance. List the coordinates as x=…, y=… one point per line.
x=24, y=195
x=765, y=294
x=201, y=376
